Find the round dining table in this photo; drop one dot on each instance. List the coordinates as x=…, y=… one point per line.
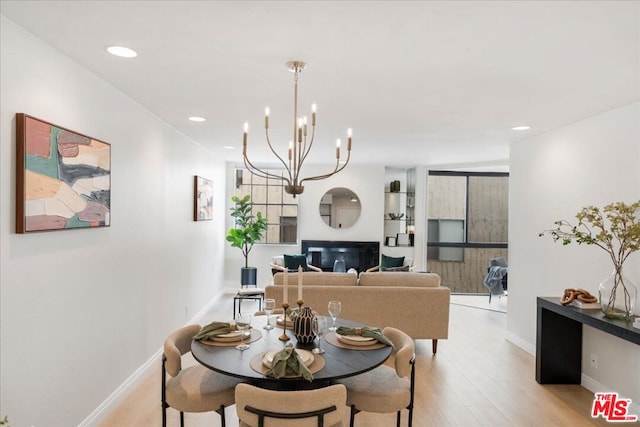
x=339, y=362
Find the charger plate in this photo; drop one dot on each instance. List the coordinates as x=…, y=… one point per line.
x=257, y=364
x=332, y=338
x=306, y=356
x=255, y=336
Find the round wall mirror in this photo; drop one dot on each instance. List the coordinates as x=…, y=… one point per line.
x=340, y=208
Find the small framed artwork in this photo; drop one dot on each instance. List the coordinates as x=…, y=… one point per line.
x=203, y=199
x=390, y=241
x=402, y=239
x=63, y=178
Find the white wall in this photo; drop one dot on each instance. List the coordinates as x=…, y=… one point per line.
x=81, y=310
x=592, y=162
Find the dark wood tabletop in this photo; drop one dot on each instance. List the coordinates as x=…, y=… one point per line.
x=339, y=362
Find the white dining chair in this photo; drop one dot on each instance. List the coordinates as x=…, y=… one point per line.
x=385, y=389
x=192, y=389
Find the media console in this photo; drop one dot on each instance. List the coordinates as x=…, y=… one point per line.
x=358, y=255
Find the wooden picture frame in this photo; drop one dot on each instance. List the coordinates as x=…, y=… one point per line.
x=202, y=199
x=63, y=178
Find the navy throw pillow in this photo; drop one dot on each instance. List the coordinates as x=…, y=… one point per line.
x=389, y=261
x=292, y=262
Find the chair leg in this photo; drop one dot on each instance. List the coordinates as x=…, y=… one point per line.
x=434, y=346
x=164, y=414
x=352, y=418
x=410, y=422
x=398, y=417
x=181, y=419
x=222, y=419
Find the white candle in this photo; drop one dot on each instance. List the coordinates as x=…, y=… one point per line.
x=285, y=282
x=299, y=282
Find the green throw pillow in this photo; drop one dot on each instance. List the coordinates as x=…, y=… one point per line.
x=292, y=262
x=389, y=261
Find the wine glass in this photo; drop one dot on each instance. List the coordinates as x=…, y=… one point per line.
x=335, y=307
x=319, y=326
x=269, y=306
x=243, y=323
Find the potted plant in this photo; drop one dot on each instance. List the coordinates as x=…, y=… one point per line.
x=247, y=232
x=616, y=229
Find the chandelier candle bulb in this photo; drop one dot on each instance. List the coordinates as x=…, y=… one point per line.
x=338, y=149
x=266, y=118
x=313, y=114
x=349, y=133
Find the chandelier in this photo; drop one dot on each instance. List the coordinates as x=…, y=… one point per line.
x=299, y=146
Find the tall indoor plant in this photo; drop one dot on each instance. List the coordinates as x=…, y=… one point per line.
x=616, y=229
x=247, y=232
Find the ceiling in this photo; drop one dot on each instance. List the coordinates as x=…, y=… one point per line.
x=434, y=83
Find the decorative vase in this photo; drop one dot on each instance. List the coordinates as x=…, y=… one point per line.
x=302, y=326
x=618, y=296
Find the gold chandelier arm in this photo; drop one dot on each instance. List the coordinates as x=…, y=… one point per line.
x=266, y=132
x=259, y=172
x=307, y=149
x=335, y=171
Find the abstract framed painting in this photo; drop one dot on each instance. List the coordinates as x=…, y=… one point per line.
x=203, y=199
x=63, y=178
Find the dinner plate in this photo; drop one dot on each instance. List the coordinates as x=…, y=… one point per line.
x=279, y=321
x=231, y=336
x=306, y=356
x=355, y=339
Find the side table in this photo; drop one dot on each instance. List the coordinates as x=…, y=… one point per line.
x=247, y=293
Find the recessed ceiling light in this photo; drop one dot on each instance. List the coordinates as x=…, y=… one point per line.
x=197, y=119
x=229, y=147
x=122, y=51
x=521, y=128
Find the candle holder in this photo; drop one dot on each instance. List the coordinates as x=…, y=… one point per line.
x=284, y=336
x=299, y=302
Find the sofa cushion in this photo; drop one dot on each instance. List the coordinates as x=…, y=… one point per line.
x=312, y=278
x=409, y=279
x=389, y=261
x=292, y=262
x=403, y=268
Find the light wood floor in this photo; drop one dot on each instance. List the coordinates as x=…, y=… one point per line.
x=477, y=378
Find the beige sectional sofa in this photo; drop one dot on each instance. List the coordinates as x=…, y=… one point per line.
x=412, y=302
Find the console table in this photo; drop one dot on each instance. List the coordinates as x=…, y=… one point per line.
x=559, y=339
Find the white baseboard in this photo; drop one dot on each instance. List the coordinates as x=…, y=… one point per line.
x=525, y=345
x=130, y=383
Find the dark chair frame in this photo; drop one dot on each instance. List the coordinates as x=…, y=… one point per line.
x=262, y=414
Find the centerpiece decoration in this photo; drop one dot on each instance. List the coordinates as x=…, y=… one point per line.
x=615, y=229
x=247, y=232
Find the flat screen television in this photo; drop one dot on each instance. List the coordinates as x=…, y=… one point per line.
x=358, y=255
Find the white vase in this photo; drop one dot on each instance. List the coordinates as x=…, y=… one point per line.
x=618, y=296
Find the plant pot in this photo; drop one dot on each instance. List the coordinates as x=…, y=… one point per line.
x=618, y=296
x=248, y=276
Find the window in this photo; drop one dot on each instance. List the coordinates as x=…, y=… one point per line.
x=467, y=226
x=269, y=198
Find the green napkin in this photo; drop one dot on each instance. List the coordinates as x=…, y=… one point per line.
x=214, y=329
x=375, y=333
x=287, y=362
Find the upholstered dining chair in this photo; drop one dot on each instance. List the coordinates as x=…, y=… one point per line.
x=195, y=388
x=258, y=407
x=385, y=389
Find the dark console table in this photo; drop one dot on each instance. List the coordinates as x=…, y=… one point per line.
x=559, y=339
